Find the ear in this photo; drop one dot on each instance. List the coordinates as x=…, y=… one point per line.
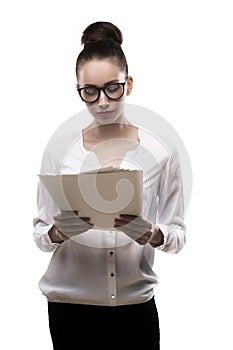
x=129, y=85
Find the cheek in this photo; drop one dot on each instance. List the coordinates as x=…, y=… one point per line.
x=112, y=104
x=118, y=107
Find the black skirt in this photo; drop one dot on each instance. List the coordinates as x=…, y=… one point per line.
x=78, y=326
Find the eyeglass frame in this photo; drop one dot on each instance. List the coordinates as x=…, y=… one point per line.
x=102, y=88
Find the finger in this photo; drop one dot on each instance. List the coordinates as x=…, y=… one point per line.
x=76, y=225
x=137, y=220
x=131, y=233
x=120, y=222
x=147, y=235
x=70, y=220
x=75, y=229
x=69, y=212
x=123, y=221
x=86, y=219
x=129, y=216
x=141, y=242
x=145, y=238
x=131, y=226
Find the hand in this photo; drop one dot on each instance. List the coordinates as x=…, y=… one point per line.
x=68, y=223
x=135, y=227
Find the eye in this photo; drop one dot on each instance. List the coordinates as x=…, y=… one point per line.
x=90, y=91
x=112, y=88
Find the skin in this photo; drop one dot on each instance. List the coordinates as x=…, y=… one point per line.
x=108, y=127
x=100, y=72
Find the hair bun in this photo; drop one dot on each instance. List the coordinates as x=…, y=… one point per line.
x=101, y=31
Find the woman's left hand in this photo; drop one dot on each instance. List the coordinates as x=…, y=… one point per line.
x=135, y=227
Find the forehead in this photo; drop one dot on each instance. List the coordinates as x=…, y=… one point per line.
x=98, y=72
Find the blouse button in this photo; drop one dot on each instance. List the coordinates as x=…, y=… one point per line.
x=112, y=274
x=113, y=296
x=111, y=253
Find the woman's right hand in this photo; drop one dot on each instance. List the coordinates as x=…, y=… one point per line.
x=69, y=224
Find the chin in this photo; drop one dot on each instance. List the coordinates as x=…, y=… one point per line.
x=106, y=119
x=117, y=109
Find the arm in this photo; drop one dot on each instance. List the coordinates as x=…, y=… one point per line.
x=169, y=231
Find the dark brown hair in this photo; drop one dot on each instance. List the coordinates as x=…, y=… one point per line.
x=102, y=40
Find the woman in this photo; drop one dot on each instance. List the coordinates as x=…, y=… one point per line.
x=102, y=295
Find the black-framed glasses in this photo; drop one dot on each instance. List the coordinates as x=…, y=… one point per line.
x=91, y=93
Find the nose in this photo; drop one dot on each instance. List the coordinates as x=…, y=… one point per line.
x=103, y=100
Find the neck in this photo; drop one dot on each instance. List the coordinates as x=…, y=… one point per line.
x=116, y=126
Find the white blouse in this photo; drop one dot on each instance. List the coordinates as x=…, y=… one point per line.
x=104, y=267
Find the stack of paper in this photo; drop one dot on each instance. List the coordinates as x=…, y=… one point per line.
x=101, y=194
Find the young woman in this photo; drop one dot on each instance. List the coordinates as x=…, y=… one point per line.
x=102, y=295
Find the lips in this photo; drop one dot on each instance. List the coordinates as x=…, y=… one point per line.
x=105, y=113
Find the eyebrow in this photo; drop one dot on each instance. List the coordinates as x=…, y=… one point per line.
x=109, y=82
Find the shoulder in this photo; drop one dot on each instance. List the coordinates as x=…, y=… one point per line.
x=56, y=151
x=160, y=146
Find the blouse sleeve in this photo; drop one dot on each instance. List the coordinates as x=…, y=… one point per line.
x=170, y=213
x=43, y=222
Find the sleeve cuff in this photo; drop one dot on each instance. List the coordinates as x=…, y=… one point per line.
x=164, y=230
x=43, y=240
x=49, y=242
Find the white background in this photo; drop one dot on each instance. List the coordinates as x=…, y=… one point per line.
x=180, y=55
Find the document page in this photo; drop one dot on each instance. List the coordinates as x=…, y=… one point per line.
x=101, y=194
